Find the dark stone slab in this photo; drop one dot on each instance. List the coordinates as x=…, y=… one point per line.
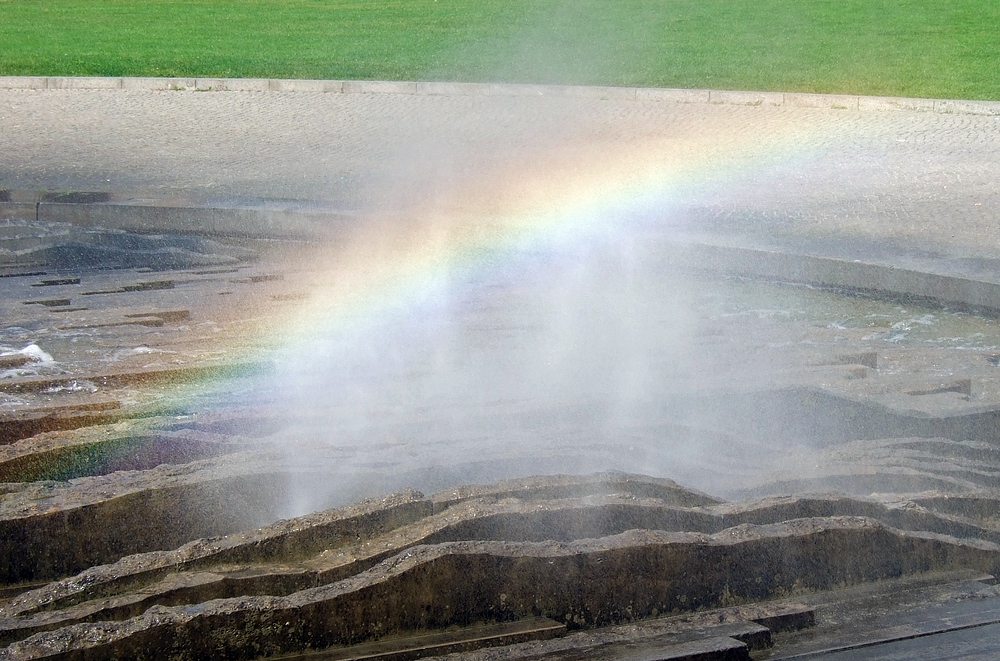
x=57, y=282
x=133, y=377
x=78, y=197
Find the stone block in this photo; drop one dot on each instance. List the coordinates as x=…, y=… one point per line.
x=966, y=293
x=396, y=519
x=21, y=196
x=518, y=89
x=738, y=98
x=159, y=83
x=78, y=197
x=123, y=519
x=832, y=101
x=17, y=210
x=968, y=107
x=671, y=95
x=281, y=85
x=82, y=83
x=866, y=358
x=603, y=93
x=379, y=87
x=881, y=103
x=233, y=84
x=18, y=466
x=22, y=83
x=229, y=222
x=717, y=648
x=577, y=486
x=961, y=386
x=453, y=89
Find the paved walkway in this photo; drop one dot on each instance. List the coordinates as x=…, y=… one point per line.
x=858, y=172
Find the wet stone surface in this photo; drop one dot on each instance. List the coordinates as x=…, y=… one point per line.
x=387, y=569
x=186, y=419
x=114, y=465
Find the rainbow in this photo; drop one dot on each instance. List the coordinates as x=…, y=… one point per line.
x=567, y=194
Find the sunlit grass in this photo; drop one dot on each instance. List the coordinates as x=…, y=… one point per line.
x=934, y=48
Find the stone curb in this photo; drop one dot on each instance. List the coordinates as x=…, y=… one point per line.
x=720, y=97
x=207, y=221
x=881, y=279
x=788, y=266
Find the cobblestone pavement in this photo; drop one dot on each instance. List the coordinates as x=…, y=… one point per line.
x=916, y=180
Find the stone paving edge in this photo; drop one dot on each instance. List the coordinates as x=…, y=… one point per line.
x=720, y=97
x=964, y=291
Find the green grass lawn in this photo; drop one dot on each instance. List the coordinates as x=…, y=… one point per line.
x=933, y=48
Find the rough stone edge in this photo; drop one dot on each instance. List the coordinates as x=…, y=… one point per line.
x=854, y=275
x=28, y=499
x=137, y=573
x=237, y=222
x=257, y=545
x=839, y=273
x=331, y=617
x=394, y=510
x=61, y=443
x=563, y=486
x=836, y=272
x=128, y=573
x=443, y=88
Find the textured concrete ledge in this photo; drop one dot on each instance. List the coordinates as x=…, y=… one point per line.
x=118, y=379
x=167, y=506
x=25, y=424
x=201, y=570
x=577, y=486
x=432, y=88
x=394, y=524
x=284, y=541
x=206, y=221
x=852, y=275
x=126, y=513
x=739, y=98
x=586, y=583
x=789, y=266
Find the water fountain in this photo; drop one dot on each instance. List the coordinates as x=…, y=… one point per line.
x=556, y=408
